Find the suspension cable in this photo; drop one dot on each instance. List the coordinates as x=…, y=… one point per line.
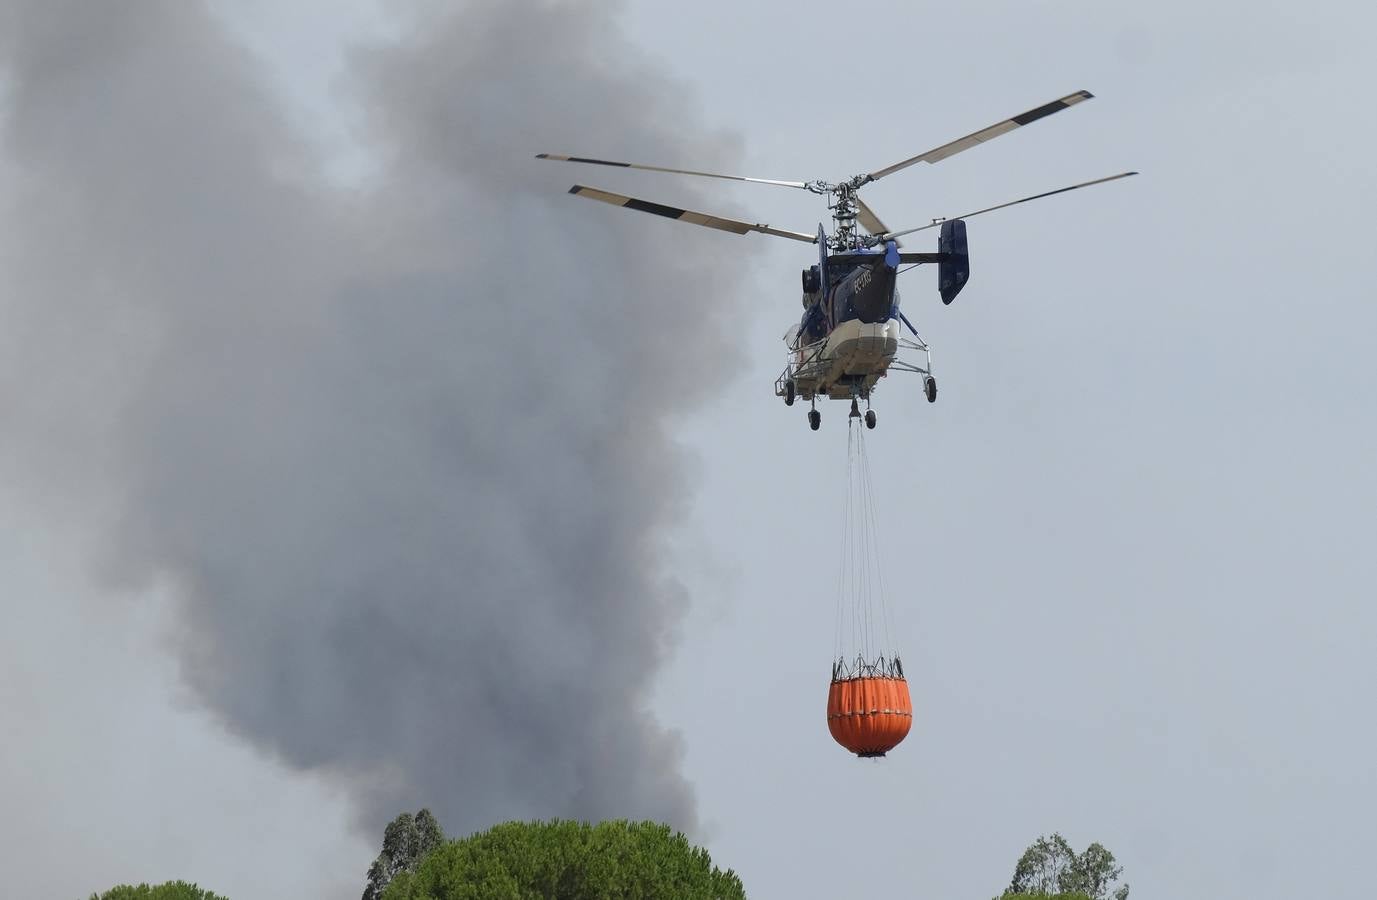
x=864, y=636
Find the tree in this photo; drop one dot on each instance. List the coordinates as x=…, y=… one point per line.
x=1051, y=869
x=172, y=890
x=1040, y=869
x=406, y=841
x=1093, y=872
x=569, y=860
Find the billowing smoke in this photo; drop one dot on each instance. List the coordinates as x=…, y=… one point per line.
x=399, y=451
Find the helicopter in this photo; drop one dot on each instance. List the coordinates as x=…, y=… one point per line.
x=850, y=333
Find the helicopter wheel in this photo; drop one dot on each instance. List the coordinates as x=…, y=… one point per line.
x=931, y=387
x=870, y=418
x=814, y=419
x=788, y=393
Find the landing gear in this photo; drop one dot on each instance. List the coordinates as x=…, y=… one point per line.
x=788, y=393
x=855, y=410
x=814, y=419
x=930, y=386
x=870, y=418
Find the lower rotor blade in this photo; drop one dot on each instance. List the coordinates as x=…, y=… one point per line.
x=688, y=215
x=937, y=222
x=869, y=221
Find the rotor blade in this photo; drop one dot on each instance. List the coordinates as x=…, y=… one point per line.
x=688, y=215
x=626, y=165
x=936, y=222
x=984, y=134
x=869, y=221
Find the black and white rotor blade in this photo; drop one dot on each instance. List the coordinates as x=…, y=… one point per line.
x=688, y=215
x=626, y=165
x=936, y=222
x=979, y=137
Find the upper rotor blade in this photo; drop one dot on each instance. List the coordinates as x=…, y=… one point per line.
x=627, y=165
x=984, y=134
x=936, y=222
x=688, y=215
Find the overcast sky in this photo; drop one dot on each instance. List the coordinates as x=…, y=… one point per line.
x=1128, y=549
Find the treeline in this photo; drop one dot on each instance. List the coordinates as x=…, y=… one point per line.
x=581, y=861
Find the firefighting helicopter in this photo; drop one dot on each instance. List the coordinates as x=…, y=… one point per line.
x=849, y=336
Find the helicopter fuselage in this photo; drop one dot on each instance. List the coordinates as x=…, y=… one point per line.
x=849, y=333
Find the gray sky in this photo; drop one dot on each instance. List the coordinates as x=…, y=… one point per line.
x=1125, y=553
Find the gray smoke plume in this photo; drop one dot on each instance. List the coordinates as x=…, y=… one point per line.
x=400, y=453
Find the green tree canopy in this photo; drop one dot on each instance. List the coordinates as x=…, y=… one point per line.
x=1093, y=873
x=1051, y=869
x=568, y=860
x=1042, y=867
x=406, y=841
x=172, y=890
